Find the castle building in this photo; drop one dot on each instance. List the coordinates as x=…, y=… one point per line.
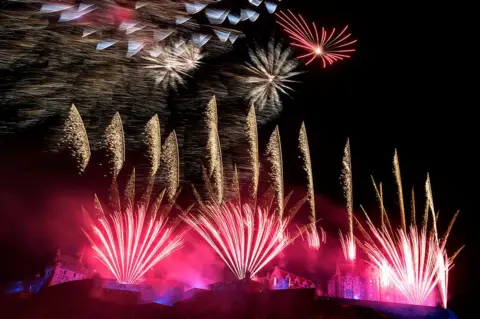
x=360, y=280
x=281, y=279
x=68, y=268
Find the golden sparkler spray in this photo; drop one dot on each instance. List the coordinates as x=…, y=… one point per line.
x=76, y=139
x=274, y=158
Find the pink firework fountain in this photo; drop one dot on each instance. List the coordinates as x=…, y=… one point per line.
x=246, y=238
x=413, y=258
x=131, y=243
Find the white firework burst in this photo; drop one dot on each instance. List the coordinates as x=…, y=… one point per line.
x=268, y=74
x=190, y=55
x=170, y=65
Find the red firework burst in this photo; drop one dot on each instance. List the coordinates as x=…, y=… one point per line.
x=330, y=47
x=129, y=244
x=246, y=238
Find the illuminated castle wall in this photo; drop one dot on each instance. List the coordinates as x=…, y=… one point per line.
x=360, y=280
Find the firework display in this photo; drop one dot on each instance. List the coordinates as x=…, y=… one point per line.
x=120, y=62
x=329, y=47
x=415, y=260
x=130, y=239
x=245, y=235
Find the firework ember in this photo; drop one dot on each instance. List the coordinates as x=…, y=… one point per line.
x=246, y=238
x=131, y=243
x=330, y=47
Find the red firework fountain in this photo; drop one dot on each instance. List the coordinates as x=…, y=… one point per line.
x=329, y=47
x=246, y=238
x=129, y=244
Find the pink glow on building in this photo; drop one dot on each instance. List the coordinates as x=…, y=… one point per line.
x=360, y=280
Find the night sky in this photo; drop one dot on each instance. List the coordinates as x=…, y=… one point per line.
x=400, y=90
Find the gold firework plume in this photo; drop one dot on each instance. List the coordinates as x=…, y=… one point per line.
x=274, y=159
x=153, y=154
x=307, y=167
x=429, y=195
x=153, y=141
x=347, y=185
x=114, y=144
x=76, y=140
x=214, y=152
x=131, y=238
x=398, y=179
x=312, y=234
x=170, y=165
x=252, y=136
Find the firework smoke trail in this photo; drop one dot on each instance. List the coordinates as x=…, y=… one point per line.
x=329, y=47
x=131, y=243
x=246, y=238
x=274, y=158
x=140, y=25
x=312, y=235
x=349, y=239
x=268, y=74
